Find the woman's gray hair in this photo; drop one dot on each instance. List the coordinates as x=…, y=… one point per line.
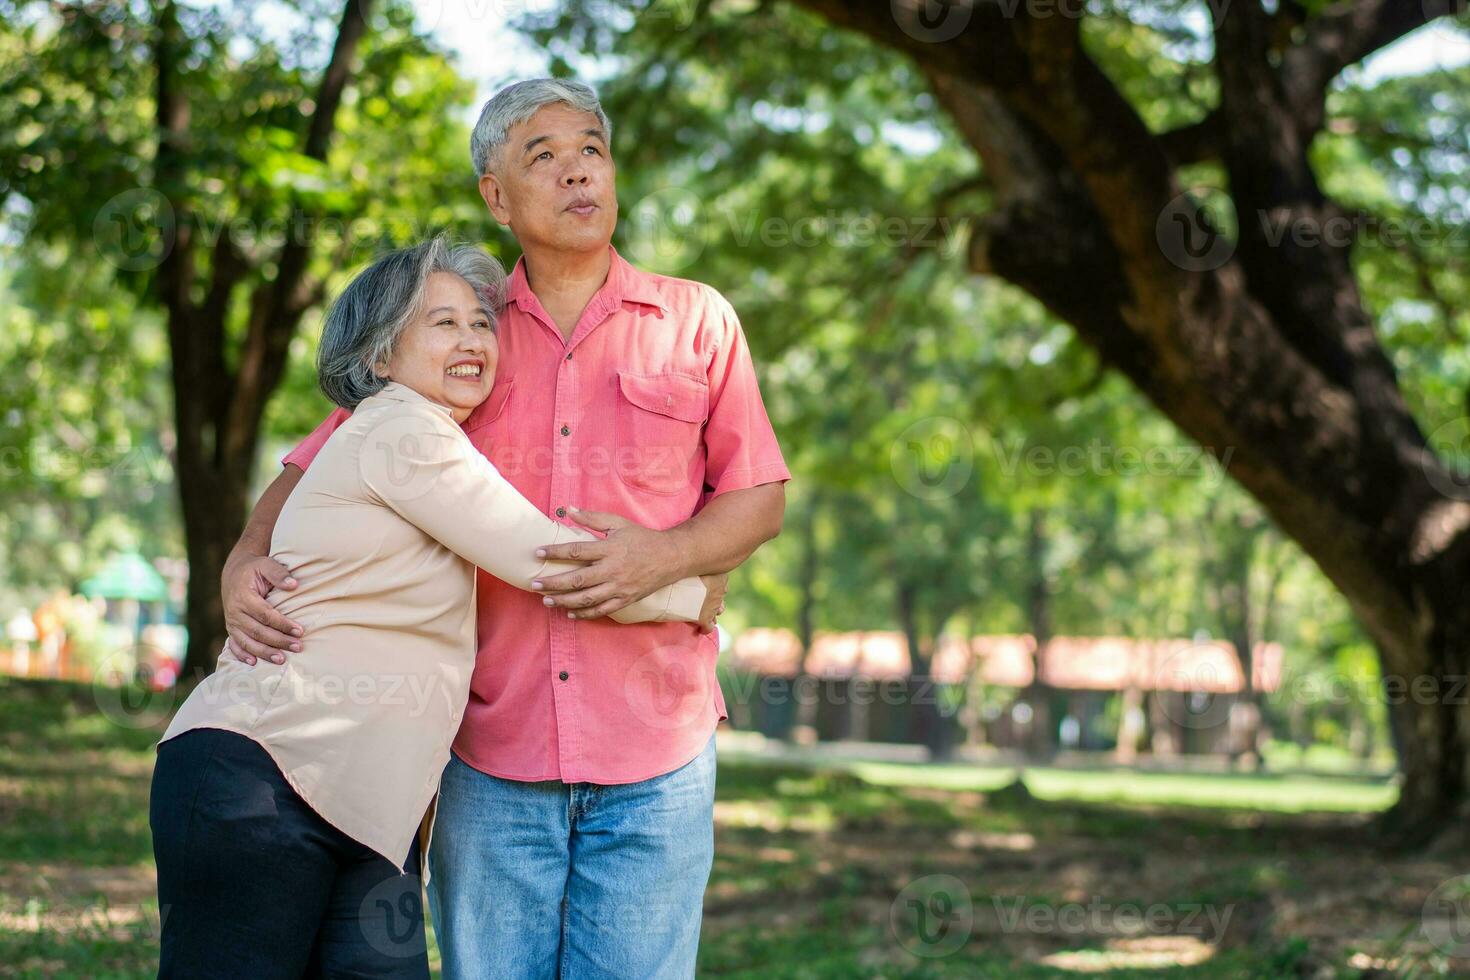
x=370, y=315
x=516, y=103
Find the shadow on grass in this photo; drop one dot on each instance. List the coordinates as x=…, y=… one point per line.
x=811, y=873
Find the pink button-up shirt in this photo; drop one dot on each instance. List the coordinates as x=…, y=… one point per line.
x=650, y=410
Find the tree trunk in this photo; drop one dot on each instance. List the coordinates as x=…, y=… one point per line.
x=1041, y=743
x=218, y=408
x=212, y=525
x=803, y=728
x=930, y=727
x=1131, y=726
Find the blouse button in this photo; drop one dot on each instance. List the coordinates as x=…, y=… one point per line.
x=561, y=512
x=562, y=675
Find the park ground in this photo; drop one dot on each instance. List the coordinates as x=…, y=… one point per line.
x=835, y=870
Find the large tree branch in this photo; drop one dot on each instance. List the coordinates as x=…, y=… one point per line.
x=1346, y=33
x=1044, y=234
x=1083, y=189
x=1194, y=142
x=970, y=40
x=277, y=307
x=194, y=345
x=1266, y=356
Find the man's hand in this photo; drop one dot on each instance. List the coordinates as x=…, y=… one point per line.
x=256, y=629
x=714, y=600
x=630, y=563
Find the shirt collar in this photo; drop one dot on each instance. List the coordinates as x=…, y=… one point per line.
x=399, y=392
x=624, y=283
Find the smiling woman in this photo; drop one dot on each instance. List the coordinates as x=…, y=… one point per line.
x=424, y=317
x=328, y=763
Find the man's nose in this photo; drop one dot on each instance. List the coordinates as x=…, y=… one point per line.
x=577, y=175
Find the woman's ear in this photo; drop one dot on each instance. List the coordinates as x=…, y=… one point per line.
x=381, y=370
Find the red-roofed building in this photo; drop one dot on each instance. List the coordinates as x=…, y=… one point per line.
x=1175, y=695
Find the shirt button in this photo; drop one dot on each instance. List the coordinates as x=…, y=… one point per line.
x=562, y=675
x=566, y=430
x=569, y=355
x=561, y=512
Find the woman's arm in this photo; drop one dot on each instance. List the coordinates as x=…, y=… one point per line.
x=419, y=463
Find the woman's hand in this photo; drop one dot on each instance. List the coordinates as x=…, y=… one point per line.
x=631, y=562
x=256, y=629
x=714, y=600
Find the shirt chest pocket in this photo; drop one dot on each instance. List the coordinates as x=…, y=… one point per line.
x=489, y=428
x=493, y=407
x=658, y=427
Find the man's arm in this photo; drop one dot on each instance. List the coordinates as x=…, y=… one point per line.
x=633, y=560
x=728, y=529
x=256, y=629
x=744, y=473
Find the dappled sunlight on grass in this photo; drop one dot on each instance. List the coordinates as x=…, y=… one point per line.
x=813, y=866
x=1118, y=954
x=770, y=816
x=1287, y=794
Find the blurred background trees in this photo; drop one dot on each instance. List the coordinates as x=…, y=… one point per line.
x=991, y=380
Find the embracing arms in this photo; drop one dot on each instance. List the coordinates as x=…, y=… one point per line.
x=459, y=498
x=421, y=465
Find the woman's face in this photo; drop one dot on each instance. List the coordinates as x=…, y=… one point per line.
x=448, y=351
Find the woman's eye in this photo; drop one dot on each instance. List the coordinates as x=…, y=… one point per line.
x=446, y=322
x=543, y=153
x=484, y=325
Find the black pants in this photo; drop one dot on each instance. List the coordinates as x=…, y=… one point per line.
x=254, y=884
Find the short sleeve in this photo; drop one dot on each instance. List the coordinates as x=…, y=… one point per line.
x=741, y=450
x=307, y=449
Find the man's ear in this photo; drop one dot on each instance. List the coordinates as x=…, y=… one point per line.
x=493, y=194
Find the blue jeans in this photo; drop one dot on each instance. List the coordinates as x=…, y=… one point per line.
x=551, y=879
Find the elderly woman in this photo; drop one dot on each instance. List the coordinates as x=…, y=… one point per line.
x=287, y=799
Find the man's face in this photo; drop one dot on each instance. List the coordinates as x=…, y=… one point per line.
x=555, y=185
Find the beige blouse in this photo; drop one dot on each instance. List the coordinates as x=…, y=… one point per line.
x=382, y=534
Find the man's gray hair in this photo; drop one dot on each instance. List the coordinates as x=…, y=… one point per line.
x=370, y=315
x=516, y=103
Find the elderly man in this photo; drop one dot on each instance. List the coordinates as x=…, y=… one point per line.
x=574, y=830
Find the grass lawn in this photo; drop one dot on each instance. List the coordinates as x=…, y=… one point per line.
x=859, y=870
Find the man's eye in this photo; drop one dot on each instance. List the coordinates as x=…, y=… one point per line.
x=543, y=153
x=592, y=148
